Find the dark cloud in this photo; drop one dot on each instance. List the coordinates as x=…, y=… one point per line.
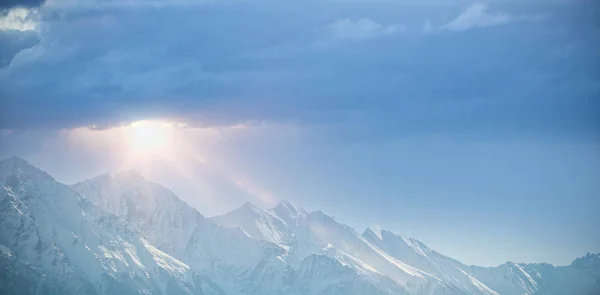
x=7, y=4
x=225, y=63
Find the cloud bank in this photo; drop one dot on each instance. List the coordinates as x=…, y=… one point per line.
x=222, y=63
x=477, y=15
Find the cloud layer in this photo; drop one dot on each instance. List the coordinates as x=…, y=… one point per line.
x=477, y=15
x=215, y=63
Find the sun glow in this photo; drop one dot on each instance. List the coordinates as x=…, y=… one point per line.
x=148, y=137
x=163, y=149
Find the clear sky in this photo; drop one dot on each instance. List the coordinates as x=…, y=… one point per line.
x=472, y=126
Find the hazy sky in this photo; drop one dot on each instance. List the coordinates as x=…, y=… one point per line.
x=472, y=126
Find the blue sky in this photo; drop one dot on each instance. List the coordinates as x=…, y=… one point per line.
x=471, y=125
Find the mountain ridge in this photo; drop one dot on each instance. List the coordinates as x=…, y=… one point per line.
x=416, y=253
x=230, y=256
x=283, y=250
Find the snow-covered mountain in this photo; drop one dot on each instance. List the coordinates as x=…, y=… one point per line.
x=237, y=261
x=53, y=241
x=581, y=277
x=407, y=261
x=123, y=234
x=304, y=234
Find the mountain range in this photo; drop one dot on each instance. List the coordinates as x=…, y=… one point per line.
x=124, y=234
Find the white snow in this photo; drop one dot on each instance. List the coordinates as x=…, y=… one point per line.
x=483, y=288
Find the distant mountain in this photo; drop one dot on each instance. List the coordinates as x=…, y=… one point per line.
x=53, y=241
x=509, y=278
x=123, y=234
x=409, y=262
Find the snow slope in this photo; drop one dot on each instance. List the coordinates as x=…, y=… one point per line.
x=56, y=242
x=416, y=254
x=582, y=277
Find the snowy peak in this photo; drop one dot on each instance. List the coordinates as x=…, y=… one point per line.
x=129, y=192
x=130, y=175
x=374, y=232
x=249, y=207
x=279, y=225
x=15, y=163
x=18, y=167
x=398, y=245
x=259, y=224
x=289, y=211
x=588, y=262
x=292, y=207
x=589, y=258
x=248, y=211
